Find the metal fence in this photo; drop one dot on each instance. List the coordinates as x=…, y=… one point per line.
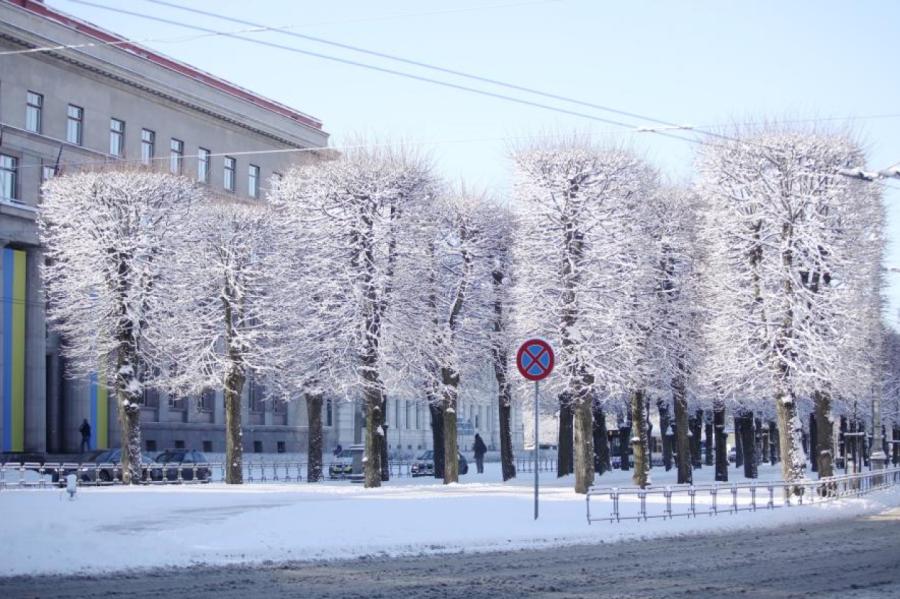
x=526, y=464
x=634, y=503
x=49, y=475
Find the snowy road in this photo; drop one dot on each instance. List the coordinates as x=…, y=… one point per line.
x=858, y=557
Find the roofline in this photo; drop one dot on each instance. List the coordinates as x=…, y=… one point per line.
x=37, y=7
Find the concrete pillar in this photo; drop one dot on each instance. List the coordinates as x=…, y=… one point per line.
x=35, y=356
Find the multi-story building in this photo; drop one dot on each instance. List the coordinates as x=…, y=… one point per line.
x=103, y=99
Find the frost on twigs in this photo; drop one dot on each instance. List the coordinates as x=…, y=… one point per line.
x=794, y=251
x=109, y=235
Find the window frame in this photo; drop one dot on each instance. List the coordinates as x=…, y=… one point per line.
x=77, y=122
x=253, y=181
x=228, y=174
x=116, y=137
x=203, y=159
x=148, y=146
x=10, y=173
x=176, y=156
x=36, y=110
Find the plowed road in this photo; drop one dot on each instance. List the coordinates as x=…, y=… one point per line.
x=846, y=558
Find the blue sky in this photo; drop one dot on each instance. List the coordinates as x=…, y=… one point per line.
x=699, y=63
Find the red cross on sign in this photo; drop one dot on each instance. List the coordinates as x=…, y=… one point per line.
x=535, y=359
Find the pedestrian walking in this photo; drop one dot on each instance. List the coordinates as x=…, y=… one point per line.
x=85, y=430
x=337, y=450
x=480, y=449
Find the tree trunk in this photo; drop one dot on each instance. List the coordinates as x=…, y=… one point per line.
x=793, y=461
x=896, y=446
x=128, y=403
x=639, y=442
x=314, y=441
x=773, y=443
x=757, y=436
x=234, y=439
x=813, y=443
x=382, y=442
x=708, y=434
x=696, y=426
x=504, y=392
x=624, y=446
x=664, y=433
x=738, y=443
x=584, y=443
x=601, y=440
x=565, y=455
x=721, y=443
x=682, y=440
x=374, y=437
x=451, y=447
x=507, y=460
x=748, y=442
x=437, y=437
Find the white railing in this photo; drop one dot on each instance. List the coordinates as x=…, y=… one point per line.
x=672, y=501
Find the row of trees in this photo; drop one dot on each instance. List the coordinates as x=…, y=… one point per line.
x=756, y=290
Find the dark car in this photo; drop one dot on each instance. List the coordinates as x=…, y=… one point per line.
x=424, y=464
x=104, y=467
x=67, y=468
x=188, y=462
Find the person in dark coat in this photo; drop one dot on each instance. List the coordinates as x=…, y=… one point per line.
x=480, y=449
x=85, y=430
x=337, y=450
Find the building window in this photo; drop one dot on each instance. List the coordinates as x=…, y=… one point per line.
x=179, y=444
x=230, y=164
x=396, y=413
x=203, y=165
x=328, y=413
x=280, y=446
x=177, y=403
x=418, y=416
x=207, y=400
x=151, y=445
x=257, y=447
x=148, y=146
x=257, y=397
x=253, y=181
x=8, y=175
x=47, y=173
x=74, y=124
x=207, y=446
x=279, y=406
x=176, y=154
x=116, y=138
x=33, y=108
x=151, y=398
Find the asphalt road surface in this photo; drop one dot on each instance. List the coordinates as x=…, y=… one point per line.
x=849, y=558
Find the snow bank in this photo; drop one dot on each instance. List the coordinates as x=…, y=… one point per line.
x=117, y=528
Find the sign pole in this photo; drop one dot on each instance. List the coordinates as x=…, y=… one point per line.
x=537, y=449
x=535, y=362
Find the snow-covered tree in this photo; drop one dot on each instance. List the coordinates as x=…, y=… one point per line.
x=444, y=290
x=350, y=225
x=217, y=329
x=790, y=243
x=109, y=239
x=581, y=227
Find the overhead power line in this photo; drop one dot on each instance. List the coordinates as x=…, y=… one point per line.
x=381, y=69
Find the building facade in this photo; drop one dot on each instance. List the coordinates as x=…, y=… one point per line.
x=115, y=101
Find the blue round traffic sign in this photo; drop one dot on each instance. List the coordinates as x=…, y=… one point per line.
x=535, y=359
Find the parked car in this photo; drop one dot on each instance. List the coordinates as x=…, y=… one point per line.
x=342, y=466
x=186, y=459
x=21, y=457
x=424, y=464
x=59, y=476
x=114, y=456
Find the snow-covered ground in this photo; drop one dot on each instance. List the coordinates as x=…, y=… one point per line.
x=121, y=528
